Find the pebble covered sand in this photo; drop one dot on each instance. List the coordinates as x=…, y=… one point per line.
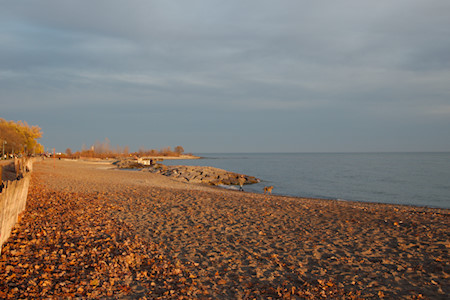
x=90, y=231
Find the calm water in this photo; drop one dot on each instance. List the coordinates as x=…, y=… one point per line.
x=421, y=179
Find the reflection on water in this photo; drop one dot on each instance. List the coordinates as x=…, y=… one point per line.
x=399, y=178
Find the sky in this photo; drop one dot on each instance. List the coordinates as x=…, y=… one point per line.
x=230, y=76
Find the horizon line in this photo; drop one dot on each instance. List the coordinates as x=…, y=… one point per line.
x=321, y=152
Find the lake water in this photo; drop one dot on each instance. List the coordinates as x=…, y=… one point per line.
x=421, y=179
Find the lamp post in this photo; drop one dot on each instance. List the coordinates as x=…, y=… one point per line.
x=3, y=152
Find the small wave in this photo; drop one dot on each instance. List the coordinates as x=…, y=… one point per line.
x=228, y=187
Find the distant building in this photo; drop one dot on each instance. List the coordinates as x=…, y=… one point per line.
x=147, y=161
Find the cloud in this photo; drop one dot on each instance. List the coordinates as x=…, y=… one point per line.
x=381, y=60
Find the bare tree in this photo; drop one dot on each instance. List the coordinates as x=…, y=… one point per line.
x=179, y=150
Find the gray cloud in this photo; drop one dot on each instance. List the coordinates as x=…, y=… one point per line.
x=297, y=69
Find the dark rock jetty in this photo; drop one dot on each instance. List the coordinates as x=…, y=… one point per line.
x=191, y=174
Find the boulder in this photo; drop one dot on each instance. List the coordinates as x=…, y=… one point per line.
x=192, y=174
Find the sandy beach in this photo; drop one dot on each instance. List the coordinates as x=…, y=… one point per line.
x=91, y=231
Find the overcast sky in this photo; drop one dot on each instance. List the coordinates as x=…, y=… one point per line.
x=230, y=76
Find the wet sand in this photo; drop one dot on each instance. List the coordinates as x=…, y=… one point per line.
x=93, y=232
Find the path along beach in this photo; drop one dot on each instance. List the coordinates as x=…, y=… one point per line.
x=90, y=231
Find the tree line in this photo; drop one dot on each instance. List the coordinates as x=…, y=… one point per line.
x=105, y=150
x=19, y=138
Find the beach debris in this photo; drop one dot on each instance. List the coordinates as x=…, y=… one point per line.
x=66, y=248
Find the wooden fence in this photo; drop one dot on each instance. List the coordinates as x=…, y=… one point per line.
x=13, y=197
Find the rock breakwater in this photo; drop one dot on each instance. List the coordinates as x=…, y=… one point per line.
x=191, y=174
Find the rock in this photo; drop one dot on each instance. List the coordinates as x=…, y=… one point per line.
x=128, y=164
x=215, y=182
x=192, y=174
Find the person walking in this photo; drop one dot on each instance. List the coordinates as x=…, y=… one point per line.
x=241, y=182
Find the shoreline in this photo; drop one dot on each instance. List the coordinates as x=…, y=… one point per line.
x=170, y=239
x=337, y=199
x=228, y=188
x=175, y=157
x=364, y=177
x=93, y=159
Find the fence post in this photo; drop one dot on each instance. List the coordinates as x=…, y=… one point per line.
x=16, y=166
x=13, y=200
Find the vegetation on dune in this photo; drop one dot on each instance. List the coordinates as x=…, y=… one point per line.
x=19, y=137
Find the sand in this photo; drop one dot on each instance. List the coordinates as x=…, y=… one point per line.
x=94, y=232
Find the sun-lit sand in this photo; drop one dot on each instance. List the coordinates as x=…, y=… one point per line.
x=93, y=231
